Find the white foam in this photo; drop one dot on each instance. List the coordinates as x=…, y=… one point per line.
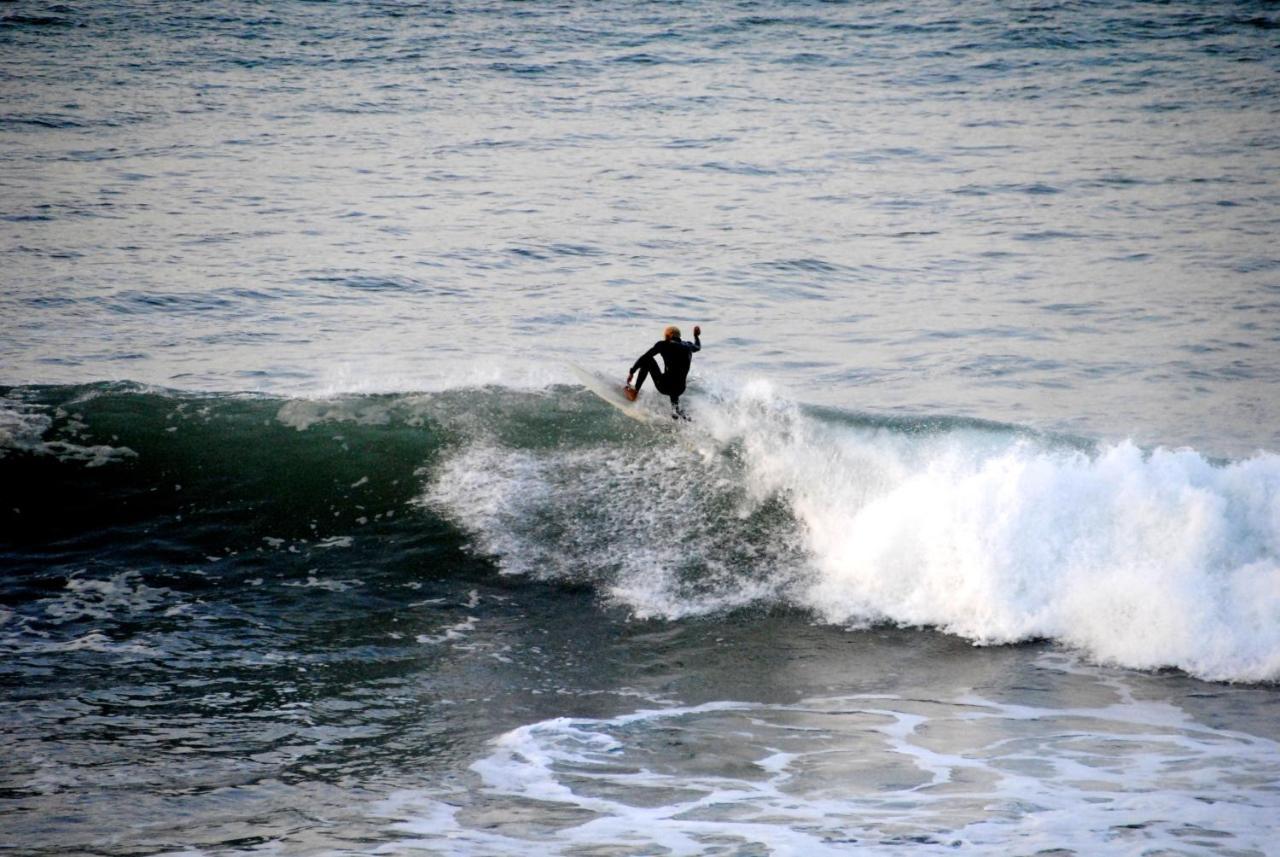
x=645, y=525
x=100, y=603
x=451, y=634
x=302, y=414
x=120, y=595
x=326, y=584
x=1141, y=558
x=878, y=774
x=23, y=429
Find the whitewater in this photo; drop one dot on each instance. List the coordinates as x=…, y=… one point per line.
x=1147, y=559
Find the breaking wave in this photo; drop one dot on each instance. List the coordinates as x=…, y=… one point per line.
x=1146, y=558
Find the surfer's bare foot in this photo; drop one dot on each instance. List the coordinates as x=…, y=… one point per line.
x=630, y=392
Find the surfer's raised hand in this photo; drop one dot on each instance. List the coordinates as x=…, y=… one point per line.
x=697, y=331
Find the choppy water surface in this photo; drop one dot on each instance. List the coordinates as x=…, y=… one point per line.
x=311, y=544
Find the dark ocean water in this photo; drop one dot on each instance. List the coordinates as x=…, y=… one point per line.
x=310, y=543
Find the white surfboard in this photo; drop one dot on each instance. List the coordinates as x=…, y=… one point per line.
x=611, y=393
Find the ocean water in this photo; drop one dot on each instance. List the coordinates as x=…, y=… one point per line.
x=311, y=543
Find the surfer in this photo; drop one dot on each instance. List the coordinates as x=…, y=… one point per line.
x=676, y=356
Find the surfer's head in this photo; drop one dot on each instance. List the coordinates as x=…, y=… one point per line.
x=672, y=332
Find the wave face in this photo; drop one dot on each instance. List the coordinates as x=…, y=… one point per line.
x=1141, y=558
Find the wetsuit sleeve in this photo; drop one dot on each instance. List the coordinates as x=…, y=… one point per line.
x=643, y=357
x=696, y=345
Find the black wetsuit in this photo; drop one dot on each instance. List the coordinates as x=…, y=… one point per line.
x=676, y=356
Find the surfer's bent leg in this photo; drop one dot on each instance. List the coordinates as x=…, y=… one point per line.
x=649, y=366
